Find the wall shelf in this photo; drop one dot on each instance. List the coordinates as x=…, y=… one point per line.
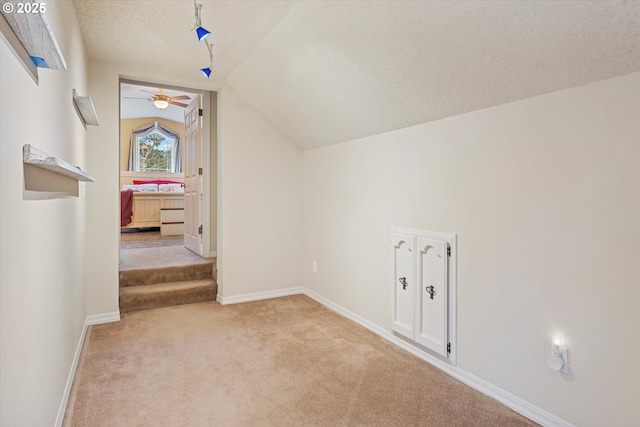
x=85, y=107
x=30, y=25
x=33, y=156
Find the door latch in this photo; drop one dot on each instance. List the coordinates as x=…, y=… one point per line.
x=431, y=291
x=403, y=282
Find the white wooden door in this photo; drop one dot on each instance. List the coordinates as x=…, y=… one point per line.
x=192, y=163
x=403, y=276
x=433, y=294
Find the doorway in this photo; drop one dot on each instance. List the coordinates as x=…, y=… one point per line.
x=152, y=164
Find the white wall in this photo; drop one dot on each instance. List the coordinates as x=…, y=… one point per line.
x=260, y=211
x=103, y=197
x=260, y=176
x=103, y=158
x=42, y=239
x=544, y=194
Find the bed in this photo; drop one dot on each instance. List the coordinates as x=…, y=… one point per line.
x=142, y=201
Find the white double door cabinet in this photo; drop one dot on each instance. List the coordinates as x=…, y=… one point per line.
x=422, y=292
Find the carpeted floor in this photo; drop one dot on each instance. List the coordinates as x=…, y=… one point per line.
x=279, y=362
x=158, y=257
x=147, y=238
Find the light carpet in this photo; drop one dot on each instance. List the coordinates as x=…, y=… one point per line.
x=278, y=362
x=147, y=238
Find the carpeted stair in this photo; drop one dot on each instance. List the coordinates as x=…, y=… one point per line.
x=161, y=287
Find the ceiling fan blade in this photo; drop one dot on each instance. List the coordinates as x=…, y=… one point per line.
x=177, y=98
x=133, y=97
x=179, y=104
x=154, y=94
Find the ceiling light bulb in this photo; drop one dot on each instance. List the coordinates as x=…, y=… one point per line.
x=160, y=104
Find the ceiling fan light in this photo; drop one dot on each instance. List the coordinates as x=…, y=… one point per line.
x=160, y=104
x=202, y=33
x=206, y=72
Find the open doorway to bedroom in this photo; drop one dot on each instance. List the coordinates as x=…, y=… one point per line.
x=159, y=159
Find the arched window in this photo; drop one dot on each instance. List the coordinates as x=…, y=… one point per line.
x=155, y=149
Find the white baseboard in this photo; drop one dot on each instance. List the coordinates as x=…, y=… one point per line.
x=519, y=405
x=96, y=319
x=525, y=408
x=256, y=296
x=90, y=320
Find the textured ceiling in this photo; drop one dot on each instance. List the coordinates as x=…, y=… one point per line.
x=325, y=72
x=158, y=33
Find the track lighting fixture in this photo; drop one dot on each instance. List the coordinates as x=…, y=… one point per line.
x=201, y=32
x=202, y=35
x=207, y=71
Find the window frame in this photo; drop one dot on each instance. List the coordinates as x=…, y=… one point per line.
x=154, y=129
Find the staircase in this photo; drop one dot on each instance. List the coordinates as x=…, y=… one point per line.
x=145, y=288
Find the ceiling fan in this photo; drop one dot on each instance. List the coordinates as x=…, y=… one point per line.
x=162, y=101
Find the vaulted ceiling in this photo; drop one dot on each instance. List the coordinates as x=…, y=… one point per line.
x=325, y=72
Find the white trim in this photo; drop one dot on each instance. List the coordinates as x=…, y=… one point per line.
x=206, y=171
x=90, y=320
x=213, y=254
x=256, y=296
x=525, y=408
x=97, y=319
x=517, y=404
x=72, y=374
x=345, y=313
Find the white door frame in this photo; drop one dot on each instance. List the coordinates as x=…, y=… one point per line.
x=206, y=153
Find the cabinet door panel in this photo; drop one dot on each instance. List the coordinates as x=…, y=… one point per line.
x=404, y=291
x=433, y=294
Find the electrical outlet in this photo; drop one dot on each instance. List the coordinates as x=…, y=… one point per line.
x=314, y=267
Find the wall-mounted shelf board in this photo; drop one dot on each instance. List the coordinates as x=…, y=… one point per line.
x=32, y=28
x=13, y=43
x=33, y=156
x=84, y=104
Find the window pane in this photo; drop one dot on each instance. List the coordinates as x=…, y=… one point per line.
x=155, y=153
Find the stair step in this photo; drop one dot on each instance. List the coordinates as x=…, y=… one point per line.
x=167, y=274
x=134, y=298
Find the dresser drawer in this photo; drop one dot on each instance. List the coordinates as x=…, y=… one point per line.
x=171, y=221
x=171, y=215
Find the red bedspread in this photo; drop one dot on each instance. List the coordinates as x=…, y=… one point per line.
x=126, y=207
